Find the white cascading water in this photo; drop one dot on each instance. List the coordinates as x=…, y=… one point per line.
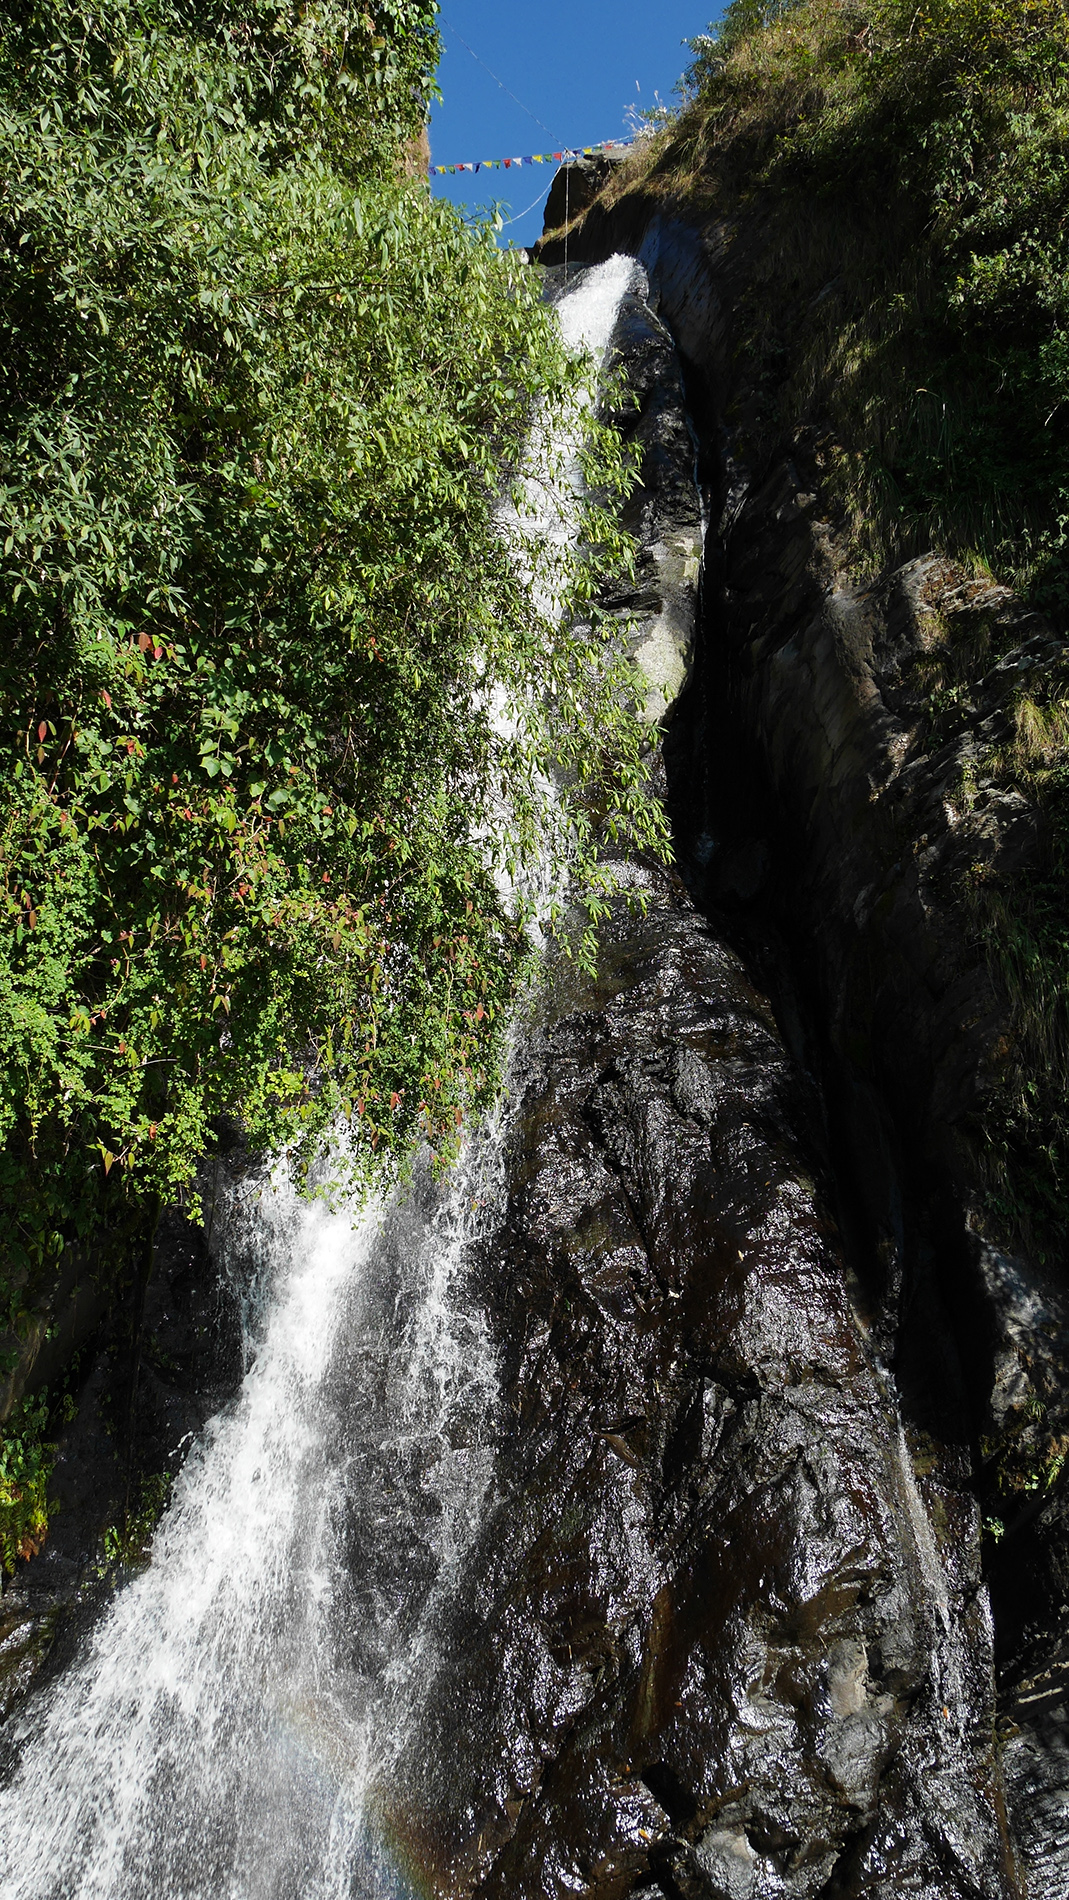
x=222, y=1736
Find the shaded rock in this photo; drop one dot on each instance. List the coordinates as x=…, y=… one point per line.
x=576, y=185
x=708, y=1633
x=657, y=607
x=1037, y=1777
x=832, y=821
x=145, y=1384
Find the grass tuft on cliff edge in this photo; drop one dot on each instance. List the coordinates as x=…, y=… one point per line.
x=899, y=175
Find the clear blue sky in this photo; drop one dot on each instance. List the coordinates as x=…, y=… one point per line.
x=577, y=65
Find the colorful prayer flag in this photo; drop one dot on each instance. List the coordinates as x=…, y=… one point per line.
x=566, y=156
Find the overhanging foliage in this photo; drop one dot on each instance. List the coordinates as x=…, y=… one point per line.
x=276, y=711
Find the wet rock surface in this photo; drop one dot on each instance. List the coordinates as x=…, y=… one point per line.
x=710, y=1642
x=664, y=513
x=724, y=1634
x=657, y=606
x=830, y=817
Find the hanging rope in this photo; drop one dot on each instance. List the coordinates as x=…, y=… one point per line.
x=522, y=214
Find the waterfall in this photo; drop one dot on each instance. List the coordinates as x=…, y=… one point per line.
x=222, y=1734
x=219, y=1735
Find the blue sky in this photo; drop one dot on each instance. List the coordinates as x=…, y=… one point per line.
x=576, y=65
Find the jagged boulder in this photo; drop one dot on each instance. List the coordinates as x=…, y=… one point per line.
x=707, y=1638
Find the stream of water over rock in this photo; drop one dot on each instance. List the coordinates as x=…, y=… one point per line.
x=220, y=1733
x=569, y=1534
x=235, y=1708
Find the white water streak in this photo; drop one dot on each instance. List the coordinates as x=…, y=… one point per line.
x=551, y=485
x=220, y=1734
x=218, y=1738
x=541, y=527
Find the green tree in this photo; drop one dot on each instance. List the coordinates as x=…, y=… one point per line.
x=277, y=707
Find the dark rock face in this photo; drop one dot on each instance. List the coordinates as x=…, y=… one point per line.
x=724, y=1634
x=821, y=819
x=664, y=513
x=575, y=186
x=159, y=1365
x=658, y=607
x=710, y=1642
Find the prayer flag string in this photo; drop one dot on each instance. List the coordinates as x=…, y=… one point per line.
x=534, y=158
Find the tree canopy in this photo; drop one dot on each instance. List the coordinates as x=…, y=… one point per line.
x=277, y=705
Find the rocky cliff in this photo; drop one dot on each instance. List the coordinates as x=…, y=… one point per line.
x=823, y=826
x=726, y=1633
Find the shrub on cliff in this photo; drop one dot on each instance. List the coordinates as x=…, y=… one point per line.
x=914, y=159
x=275, y=708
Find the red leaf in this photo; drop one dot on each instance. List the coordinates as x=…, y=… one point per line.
x=42, y=730
x=106, y=697
x=394, y=1099
x=144, y=641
